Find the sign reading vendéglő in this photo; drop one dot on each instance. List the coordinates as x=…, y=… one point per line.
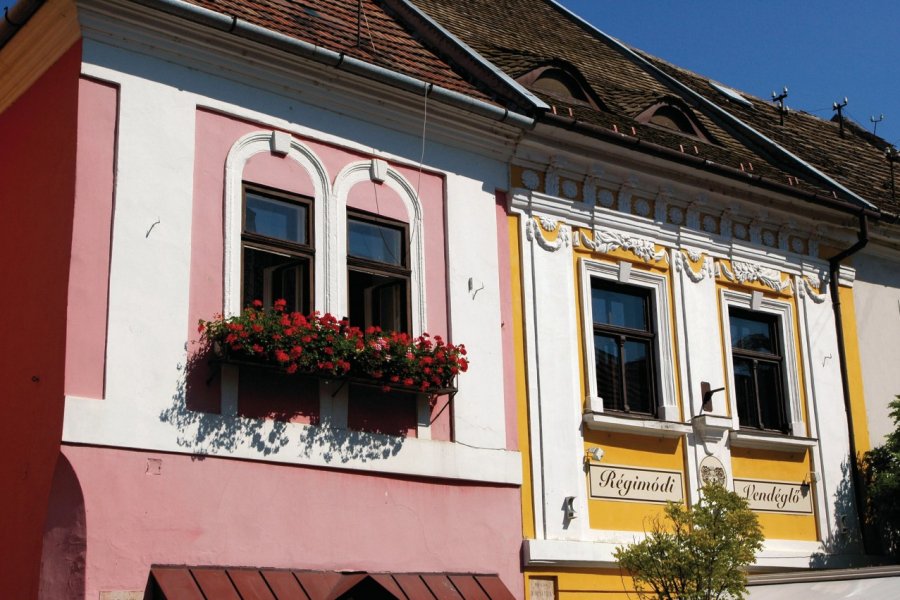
x=775, y=496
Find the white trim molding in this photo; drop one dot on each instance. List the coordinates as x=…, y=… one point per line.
x=790, y=367
x=667, y=402
x=648, y=427
x=767, y=441
x=336, y=268
x=241, y=152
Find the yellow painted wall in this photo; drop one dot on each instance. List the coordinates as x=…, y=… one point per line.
x=645, y=451
x=747, y=463
x=854, y=371
x=574, y=584
x=631, y=451
x=515, y=279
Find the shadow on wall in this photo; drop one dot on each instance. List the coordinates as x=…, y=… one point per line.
x=65, y=537
x=210, y=433
x=844, y=548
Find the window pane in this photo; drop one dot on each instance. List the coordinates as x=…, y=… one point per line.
x=621, y=307
x=751, y=332
x=269, y=277
x=609, y=380
x=275, y=218
x=377, y=300
x=744, y=392
x=375, y=242
x=768, y=377
x=638, y=376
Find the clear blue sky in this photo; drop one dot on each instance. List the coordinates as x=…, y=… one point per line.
x=823, y=50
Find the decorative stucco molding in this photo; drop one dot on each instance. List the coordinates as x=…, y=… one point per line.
x=606, y=241
x=535, y=233
x=812, y=286
x=746, y=272
x=683, y=259
x=531, y=179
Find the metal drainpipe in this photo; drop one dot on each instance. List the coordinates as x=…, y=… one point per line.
x=834, y=264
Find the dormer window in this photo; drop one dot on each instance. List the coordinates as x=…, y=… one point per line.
x=557, y=82
x=669, y=116
x=561, y=82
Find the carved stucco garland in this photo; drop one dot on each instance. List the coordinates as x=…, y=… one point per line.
x=746, y=272
x=814, y=287
x=683, y=259
x=534, y=232
x=607, y=241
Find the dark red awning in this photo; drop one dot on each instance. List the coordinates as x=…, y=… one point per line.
x=242, y=583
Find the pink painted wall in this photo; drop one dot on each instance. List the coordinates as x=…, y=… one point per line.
x=508, y=326
x=37, y=171
x=215, y=135
x=144, y=508
x=91, y=237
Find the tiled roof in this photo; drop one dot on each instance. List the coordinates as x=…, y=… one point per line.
x=521, y=35
x=370, y=35
x=856, y=160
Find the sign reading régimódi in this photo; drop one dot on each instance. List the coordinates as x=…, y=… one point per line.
x=612, y=482
x=775, y=496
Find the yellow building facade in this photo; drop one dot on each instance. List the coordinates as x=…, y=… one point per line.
x=671, y=332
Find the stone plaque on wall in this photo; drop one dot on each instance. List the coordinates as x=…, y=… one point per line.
x=775, y=496
x=542, y=588
x=611, y=482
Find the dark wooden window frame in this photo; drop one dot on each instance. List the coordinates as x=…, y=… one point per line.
x=624, y=334
x=756, y=357
x=379, y=268
x=275, y=245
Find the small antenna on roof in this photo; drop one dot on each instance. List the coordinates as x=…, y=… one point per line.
x=778, y=99
x=876, y=122
x=839, y=107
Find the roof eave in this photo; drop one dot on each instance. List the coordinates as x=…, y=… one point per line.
x=246, y=30
x=640, y=145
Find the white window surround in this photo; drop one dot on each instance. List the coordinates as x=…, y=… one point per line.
x=329, y=223
x=329, y=240
x=665, y=364
x=785, y=314
x=241, y=152
x=370, y=170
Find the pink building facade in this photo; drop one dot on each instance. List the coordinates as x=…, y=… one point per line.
x=167, y=459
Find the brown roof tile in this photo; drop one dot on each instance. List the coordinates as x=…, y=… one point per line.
x=856, y=160
x=520, y=35
x=375, y=37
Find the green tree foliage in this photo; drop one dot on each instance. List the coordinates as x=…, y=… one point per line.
x=881, y=467
x=696, y=553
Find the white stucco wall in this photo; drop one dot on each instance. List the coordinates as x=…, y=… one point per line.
x=876, y=296
x=161, y=90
